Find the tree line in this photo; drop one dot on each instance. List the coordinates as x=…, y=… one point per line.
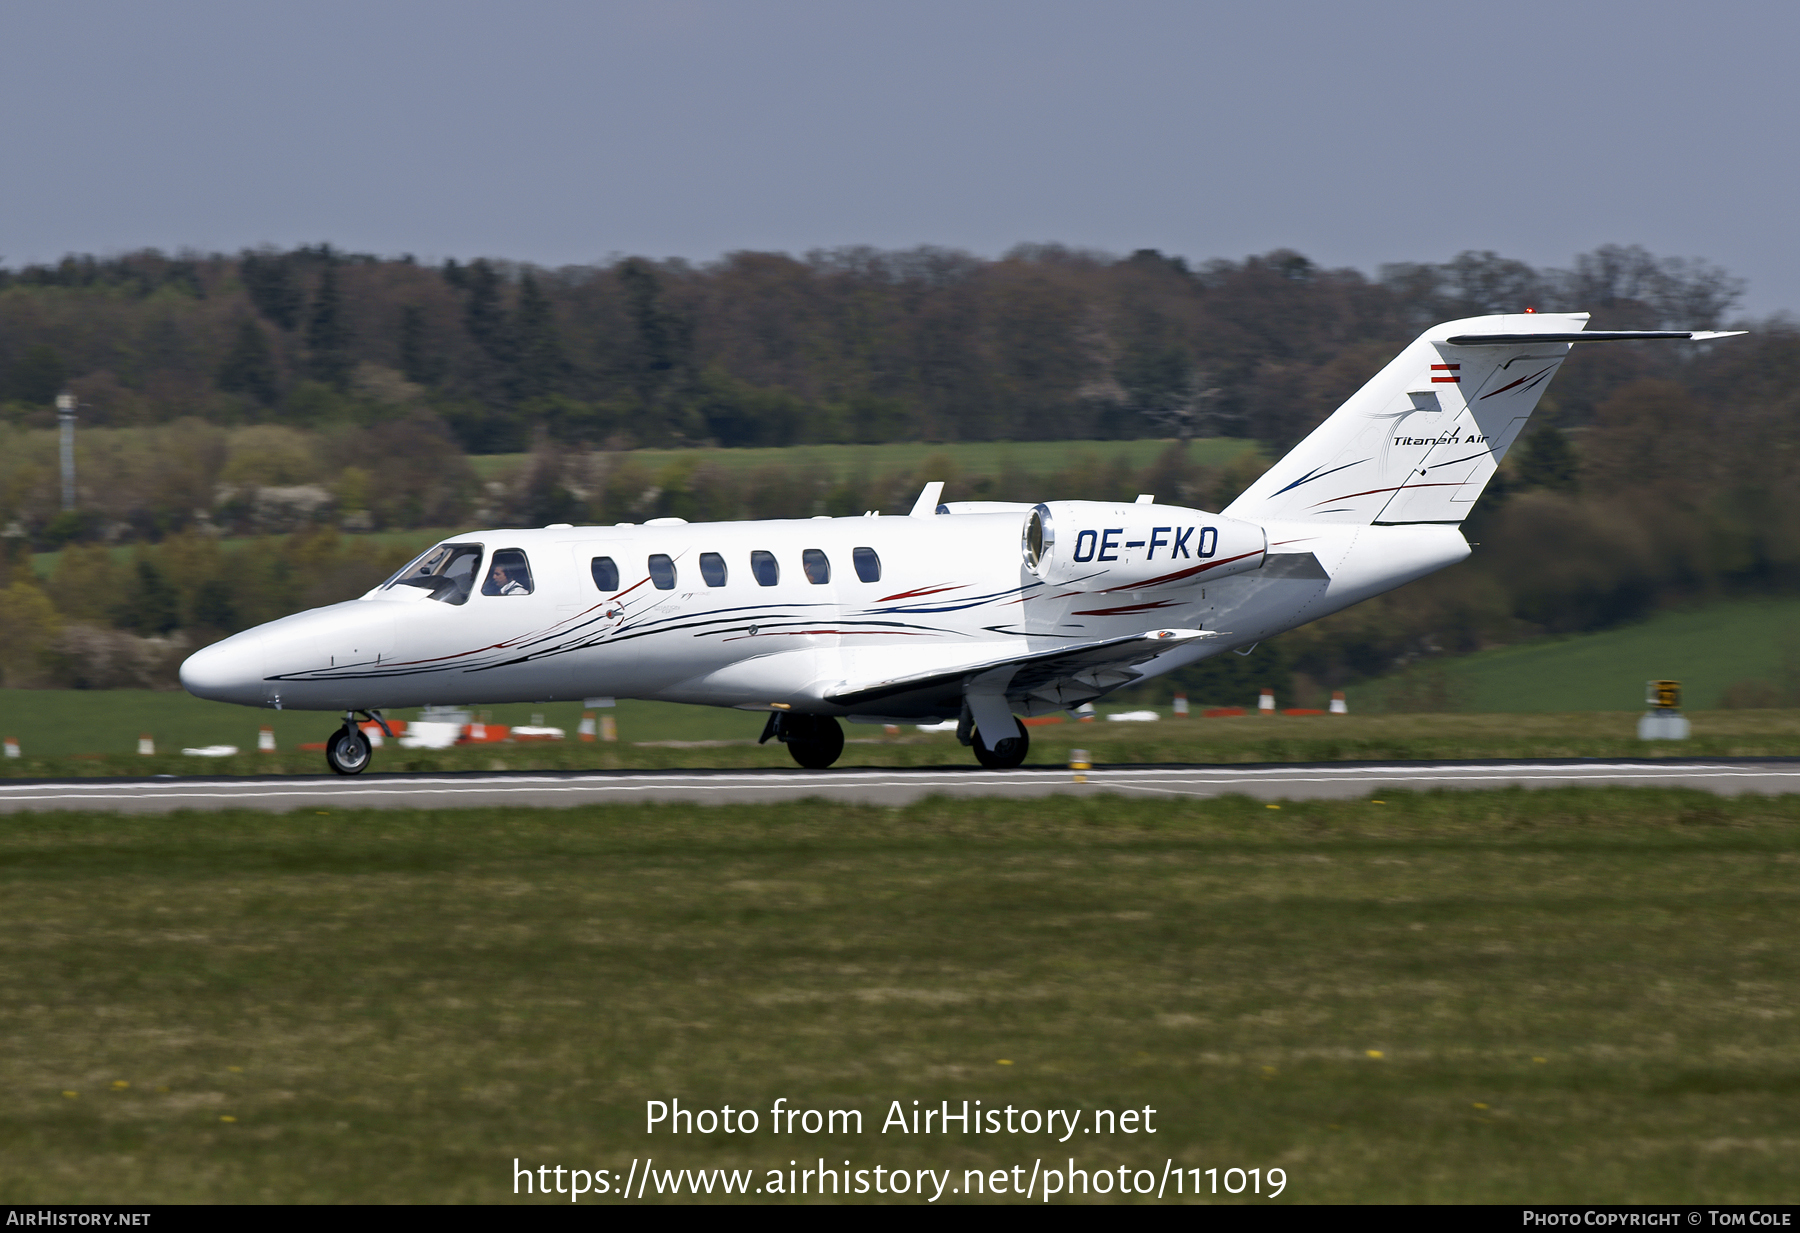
x=769, y=349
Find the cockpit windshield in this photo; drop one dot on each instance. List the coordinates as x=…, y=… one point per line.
x=447, y=571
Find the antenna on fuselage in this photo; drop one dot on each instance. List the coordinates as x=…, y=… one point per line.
x=926, y=505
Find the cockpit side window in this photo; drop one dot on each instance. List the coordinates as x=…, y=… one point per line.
x=446, y=571
x=508, y=574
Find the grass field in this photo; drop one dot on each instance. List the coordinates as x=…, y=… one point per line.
x=969, y=457
x=1707, y=649
x=67, y=732
x=1562, y=996
x=58, y=723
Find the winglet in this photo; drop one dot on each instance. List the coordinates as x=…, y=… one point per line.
x=926, y=505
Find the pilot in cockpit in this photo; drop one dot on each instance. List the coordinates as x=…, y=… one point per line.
x=502, y=582
x=508, y=575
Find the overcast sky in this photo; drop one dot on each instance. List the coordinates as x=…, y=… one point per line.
x=1357, y=133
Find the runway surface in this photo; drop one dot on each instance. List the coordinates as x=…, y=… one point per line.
x=554, y=789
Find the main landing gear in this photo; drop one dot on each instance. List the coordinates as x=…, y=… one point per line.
x=1003, y=754
x=814, y=741
x=347, y=750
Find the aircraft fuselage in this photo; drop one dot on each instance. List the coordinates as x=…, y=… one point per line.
x=777, y=614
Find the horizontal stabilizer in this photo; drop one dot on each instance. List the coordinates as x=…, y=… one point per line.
x=1586, y=336
x=1034, y=671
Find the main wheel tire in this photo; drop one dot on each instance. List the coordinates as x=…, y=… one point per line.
x=816, y=741
x=1005, y=754
x=347, y=752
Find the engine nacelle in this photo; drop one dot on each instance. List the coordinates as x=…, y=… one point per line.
x=1103, y=546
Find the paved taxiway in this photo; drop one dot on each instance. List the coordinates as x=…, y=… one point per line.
x=1724, y=776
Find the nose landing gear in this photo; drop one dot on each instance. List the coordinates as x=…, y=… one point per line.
x=347, y=751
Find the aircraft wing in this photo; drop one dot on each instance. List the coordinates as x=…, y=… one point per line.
x=1064, y=676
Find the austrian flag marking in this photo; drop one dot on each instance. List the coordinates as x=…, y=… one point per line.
x=1446, y=368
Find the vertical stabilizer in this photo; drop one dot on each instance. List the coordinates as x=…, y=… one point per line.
x=1421, y=440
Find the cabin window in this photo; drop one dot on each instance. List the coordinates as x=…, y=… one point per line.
x=606, y=574
x=508, y=574
x=818, y=567
x=764, y=567
x=712, y=568
x=868, y=565
x=662, y=572
x=447, y=571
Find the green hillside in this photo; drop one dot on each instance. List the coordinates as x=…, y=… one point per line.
x=43, y=564
x=839, y=462
x=1707, y=649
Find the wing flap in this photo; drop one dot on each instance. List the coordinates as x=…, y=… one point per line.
x=1090, y=664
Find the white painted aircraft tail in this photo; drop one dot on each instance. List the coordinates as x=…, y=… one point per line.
x=1421, y=440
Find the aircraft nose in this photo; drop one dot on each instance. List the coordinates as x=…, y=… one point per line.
x=228, y=671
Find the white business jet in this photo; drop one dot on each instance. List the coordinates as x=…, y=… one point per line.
x=972, y=611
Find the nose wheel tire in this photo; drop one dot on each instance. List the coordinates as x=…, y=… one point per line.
x=1004, y=755
x=814, y=741
x=347, y=752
